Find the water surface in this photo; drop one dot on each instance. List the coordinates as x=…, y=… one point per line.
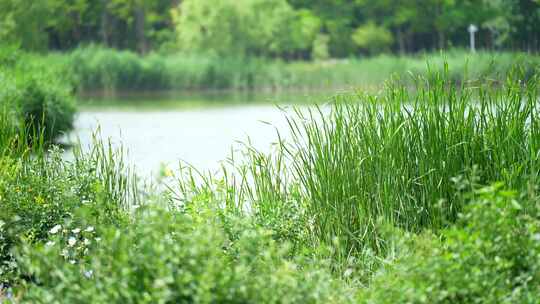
x=163, y=130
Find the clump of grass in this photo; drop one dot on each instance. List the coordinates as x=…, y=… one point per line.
x=398, y=156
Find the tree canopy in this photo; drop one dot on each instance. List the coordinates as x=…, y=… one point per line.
x=271, y=28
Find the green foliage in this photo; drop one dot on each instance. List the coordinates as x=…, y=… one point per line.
x=395, y=156
x=21, y=23
x=168, y=257
x=320, y=47
x=397, y=159
x=372, y=38
x=39, y=99
x=379, y=189
x=269, y=28
x=247, y=27
x=491, y=256
x=46, y=108
x=40, y=191
x=95, y=68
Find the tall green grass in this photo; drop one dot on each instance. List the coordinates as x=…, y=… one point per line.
x=401, y=157
x=99, y=69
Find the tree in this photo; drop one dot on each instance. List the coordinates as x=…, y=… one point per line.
x=244, y=27
x=23, y=23
x=372, y=38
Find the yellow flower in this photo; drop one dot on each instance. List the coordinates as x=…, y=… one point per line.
x=39, y=199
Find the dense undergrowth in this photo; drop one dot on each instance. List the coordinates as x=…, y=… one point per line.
x=99, y=69
x=373, y=199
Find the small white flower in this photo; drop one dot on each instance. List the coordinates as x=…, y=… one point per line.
x=55, y=229
x=89, y=229
x=72, y=241
x=49, y=243
x=86, y=242
x=72, y=262
x=88, y=274
x=76, y=230
x=98, y=239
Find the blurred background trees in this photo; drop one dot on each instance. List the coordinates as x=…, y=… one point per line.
x=289, y=29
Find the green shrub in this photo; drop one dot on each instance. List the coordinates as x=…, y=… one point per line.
x=38, y=97
x=38, y=189
x=491, y=256
x=46, y=108
x=38, y=192
x=168, y=257
x=372, y=38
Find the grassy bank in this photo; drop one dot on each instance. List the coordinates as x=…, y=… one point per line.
x=384, y=198
x=99, y=69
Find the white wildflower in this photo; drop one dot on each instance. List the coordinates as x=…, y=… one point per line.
x=89, y=229
x=88, y=274
x=49, y=244
x=72, y=262
x=72, y=241
x=86, y=242
x=76, y=230
x=55, y=229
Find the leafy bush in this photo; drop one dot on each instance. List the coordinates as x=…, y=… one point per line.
x=491, y=256
x=40, y=99
x=372, y=38
x=46, y=107
x=38, y=190
x=37, y=194
x=168, y=257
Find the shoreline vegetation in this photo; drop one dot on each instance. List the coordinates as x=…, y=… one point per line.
x=97, y=69
x=390, y=197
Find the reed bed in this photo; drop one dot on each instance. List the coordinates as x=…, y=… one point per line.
x=95, y=68
x=406, y=157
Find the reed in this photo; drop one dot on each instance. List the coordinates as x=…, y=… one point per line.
x=95, y=68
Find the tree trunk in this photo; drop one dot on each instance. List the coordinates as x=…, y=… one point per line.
x=401, y=41
x=140, y=20
x=105, y=21
x=441, y=38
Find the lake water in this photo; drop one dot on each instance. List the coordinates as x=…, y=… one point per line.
x=162, y=130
